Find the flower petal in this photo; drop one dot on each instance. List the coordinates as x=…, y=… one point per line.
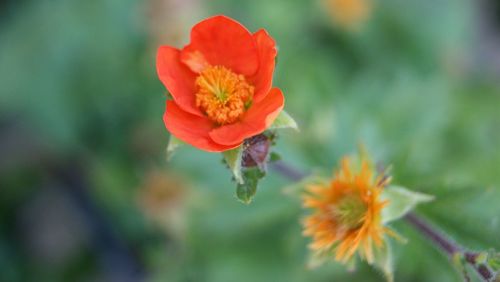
x=257, y=119
x=224, y=41
x=177, y=78
x=263, y=79
x=192, y=129
x=194, y=59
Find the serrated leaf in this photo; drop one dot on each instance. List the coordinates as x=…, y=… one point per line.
x=383, y=261
x=401, y=201
x=246, y=191
x=173, y=144
x=284, y=120
x=233, y=160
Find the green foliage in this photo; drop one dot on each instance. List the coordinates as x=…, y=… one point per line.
x=173, y=144
x=284, y=120
x=274, y=157
x=493, y=260
x=384, y=262
x=401, y=201
x=233, y=160
x=246, y=191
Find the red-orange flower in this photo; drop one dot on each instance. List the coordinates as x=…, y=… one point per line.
x=221, y=85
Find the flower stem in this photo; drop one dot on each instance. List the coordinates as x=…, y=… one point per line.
x=287, y=171
x=450, y=247
x=443, y=242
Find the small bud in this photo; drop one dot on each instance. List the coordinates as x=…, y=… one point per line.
x=256, y=151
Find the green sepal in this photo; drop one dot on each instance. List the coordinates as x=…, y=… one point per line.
x=382, y=260
x=351, y=264
x=173, y=144
x=316, y=259
x=246, y=190
x=460, y=264
x=284, y=120
x=401, y=201
x=299, y=187
x=233, y=160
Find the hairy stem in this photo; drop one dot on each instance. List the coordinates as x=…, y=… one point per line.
x=447, y=245
x=288, y=171
x=442, y=241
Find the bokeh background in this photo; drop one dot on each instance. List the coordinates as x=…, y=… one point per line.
x=86, y=193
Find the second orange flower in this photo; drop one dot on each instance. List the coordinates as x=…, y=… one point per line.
x=347, y=214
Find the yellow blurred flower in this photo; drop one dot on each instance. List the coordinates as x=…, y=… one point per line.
x=162, y=198
x=349, y=14
x=346, y=213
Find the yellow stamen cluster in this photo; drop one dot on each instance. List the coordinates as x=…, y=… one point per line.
x=222, y=94
x=349, y=211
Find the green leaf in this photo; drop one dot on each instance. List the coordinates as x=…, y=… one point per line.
x=233, y=160
x=383, y=261
x=401, y=201
x=284, y=120
x=274, y=157
x=173, y=144
x=494, y=260
x=246, y=191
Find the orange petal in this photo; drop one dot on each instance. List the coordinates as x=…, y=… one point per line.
x=225, y=42
x=257, y=119
x=177, y=78
x=192, y=129
x=263, y=79
x=194, y=59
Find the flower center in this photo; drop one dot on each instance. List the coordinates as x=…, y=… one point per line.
x=349, y=211
x=222, y=94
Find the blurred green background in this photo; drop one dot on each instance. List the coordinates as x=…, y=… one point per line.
x=86, y=193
